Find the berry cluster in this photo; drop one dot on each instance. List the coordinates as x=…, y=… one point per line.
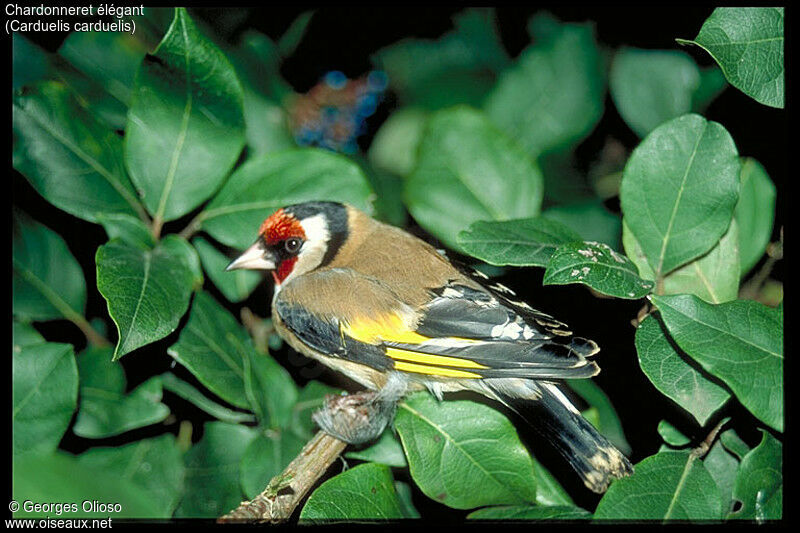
x=333, y=113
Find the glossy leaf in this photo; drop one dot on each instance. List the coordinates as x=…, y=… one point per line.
x=667, y=486
x=129, y=229
x=29, y=63
x=747, y=43
x=265, y=457
x=89, y=52
x=672, y=435
x=403, y=491
x=755, y=213
x=394, y=147
x=739, y=342
x=523, y=242
x=531, y=512
x=105, y=409
x=267, y=126
x=723, y=467
x=759, y=484
x=147, y=291
x=363, y=492
x=609, y=423
x=453, y=447
x=650, y=87
x=589, y=219
x=468, y=171
x=68, y=156
x=23, y=335
x=60, y=477
x=48, y=282
x=235, y=286
x=153, y=465
x=734, y=444
x=186, y=391
x=387, y=450
x=187, y=108
x=269, y=389
x=679, y=189
x=598, y=266
x=213, y=346
x=673, y=374
x=458, y=68
x=211, y=486
x=45, y=394
x=262, y=185
x=553, y=95
x=549, y=492
x=714, y=276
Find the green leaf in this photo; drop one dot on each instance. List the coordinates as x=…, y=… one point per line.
x=734, y=444
x=269, y=389
x=672, y=435
x=609, y=423
x=759, y=484
x=548, y=491
x=235, y=286
x=531, y=512
x=24, y=335
x=589, y=219
x=666, y=486
x=598, y=266
x=311, y=398
x=153, y=465
x=291, y=38
x=147, y=291
x=458, y=68
x=387, y=450
x=523, y=242
x=264, y=184
x=187, y=108
x=723, y=467
x=90, y=51
x=747, y=43
x=755, y=213
x=714, y=277
x=184, y=390
x=650, y=87
x=364, y=492
x=265, y=457
x=394, y=147
x=213, y=347
x=68, y=156
x=674, y=376
x=211, y=487
x=679, y=189
x=739, y=342
x=404, y=494
x=454, y=447
x=45, y=394
x=388, y=189
x=129, y=229
x=553, y=95
x=466, y=171
x=29, y=63
x=105, y=409
x=267, y=125
x=47, y=281
x=60, y=477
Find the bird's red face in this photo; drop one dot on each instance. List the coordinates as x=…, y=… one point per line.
x=296, y=239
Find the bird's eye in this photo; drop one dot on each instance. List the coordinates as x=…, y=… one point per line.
x=292, y=245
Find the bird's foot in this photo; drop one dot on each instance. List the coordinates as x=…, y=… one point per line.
x=355, y=418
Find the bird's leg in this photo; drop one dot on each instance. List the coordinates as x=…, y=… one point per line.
x=361, y=417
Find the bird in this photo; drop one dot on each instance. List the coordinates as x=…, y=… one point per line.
x=396, y=315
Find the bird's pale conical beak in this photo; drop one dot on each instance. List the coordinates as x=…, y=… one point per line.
x=254, y=258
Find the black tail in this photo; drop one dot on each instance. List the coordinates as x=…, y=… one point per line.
x=546, y=408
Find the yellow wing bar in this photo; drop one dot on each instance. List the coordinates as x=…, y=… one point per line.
x=392, y=328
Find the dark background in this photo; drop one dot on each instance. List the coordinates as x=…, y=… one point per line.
x=343, y=39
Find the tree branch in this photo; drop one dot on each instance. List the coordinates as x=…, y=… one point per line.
x=286, y=490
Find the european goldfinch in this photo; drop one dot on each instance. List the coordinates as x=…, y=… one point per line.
x=394, y=314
